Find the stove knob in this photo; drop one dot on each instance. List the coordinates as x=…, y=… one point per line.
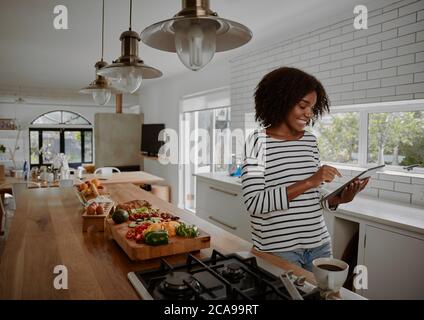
x=300, y=281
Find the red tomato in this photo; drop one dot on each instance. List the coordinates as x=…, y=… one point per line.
x=139, y=237
x=130, y=234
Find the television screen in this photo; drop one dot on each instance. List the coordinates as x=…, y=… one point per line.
x=150, y=143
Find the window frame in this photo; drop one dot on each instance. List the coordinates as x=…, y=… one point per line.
x=61, y=123
x=62, y=143
x=200, y=101
x=364, y=111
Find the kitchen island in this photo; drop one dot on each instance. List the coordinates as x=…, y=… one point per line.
x=134, y=177
x=47, y=232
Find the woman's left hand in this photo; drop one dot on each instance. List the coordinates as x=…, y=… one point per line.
x=352, y=189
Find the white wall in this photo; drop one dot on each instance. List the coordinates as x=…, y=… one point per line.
x=159, y=101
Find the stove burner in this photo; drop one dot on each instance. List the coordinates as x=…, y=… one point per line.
x=233, y=272
x=220, y=277
x=177, y=285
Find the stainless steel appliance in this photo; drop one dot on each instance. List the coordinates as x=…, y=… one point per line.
x=238, y=276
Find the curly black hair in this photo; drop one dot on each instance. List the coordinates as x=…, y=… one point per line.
x=281, y=89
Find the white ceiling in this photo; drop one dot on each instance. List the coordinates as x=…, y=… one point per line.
x=34, y=54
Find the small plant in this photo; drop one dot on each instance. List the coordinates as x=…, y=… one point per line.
x=2, y=148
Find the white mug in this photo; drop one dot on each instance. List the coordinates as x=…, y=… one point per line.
x=329, y=280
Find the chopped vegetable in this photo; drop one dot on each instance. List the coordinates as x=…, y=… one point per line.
x=156, y=238
x=139, y=237
x=139, y=210
x=130, y=234
x=187, y=231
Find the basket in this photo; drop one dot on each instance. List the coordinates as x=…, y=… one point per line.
x=97, y=222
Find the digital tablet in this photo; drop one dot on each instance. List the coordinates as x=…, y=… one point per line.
x=364, y=174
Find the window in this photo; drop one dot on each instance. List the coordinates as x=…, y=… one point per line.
x=73, y=146
x=51, y=140
x=208, y=126
x=88, y=146
x=60, y=132
x=211, y=125
x=222, y=126
x=45, y=143
x=396, y=138
x=204, y=118
x=389, y=133
x=338, y=137
x=34, y=147
x=60, y=118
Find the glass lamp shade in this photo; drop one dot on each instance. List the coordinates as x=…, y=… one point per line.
x=101, y=96
x=126, y=79
x=195, y=42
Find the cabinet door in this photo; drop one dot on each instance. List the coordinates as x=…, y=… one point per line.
x=395, y=265
x=223, y=207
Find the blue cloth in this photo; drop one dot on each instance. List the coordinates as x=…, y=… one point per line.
x=304, y=257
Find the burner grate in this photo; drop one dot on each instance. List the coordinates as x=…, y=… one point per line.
x=219, y=277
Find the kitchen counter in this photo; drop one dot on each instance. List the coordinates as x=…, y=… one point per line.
x=395, y=214
x=135, y=177
x=46, y=231
x=391, y=213
x=221, y=177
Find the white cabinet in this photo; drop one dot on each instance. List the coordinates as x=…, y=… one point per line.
x=395, y=264
x=394, y=257
x=222, y=204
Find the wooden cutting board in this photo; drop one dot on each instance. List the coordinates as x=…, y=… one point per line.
x=141, y=251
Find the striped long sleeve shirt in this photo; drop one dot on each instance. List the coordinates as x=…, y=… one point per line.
x=270, y=166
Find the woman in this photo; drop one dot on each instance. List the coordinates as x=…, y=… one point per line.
x=282, y=175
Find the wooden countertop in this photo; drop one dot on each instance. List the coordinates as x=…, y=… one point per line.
x=134, y=177
x=46, y=231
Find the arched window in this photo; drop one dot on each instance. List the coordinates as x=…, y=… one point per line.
x=60, y=117
x=57, y=132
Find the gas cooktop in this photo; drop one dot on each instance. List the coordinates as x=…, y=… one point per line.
x=222, y=277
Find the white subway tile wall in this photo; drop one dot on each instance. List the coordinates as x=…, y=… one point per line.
x=383, y=63
x=394, y=196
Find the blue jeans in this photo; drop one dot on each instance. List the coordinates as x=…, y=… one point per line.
x=304, y=257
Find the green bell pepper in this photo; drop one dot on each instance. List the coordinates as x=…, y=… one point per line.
x=155, y=238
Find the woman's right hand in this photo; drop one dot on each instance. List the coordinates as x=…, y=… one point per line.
x=324, y=174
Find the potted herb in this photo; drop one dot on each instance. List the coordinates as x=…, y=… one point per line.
x=2, y=149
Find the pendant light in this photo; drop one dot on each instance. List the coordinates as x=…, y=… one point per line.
x=99, y=88
x=127, y=72
x=195, y=34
